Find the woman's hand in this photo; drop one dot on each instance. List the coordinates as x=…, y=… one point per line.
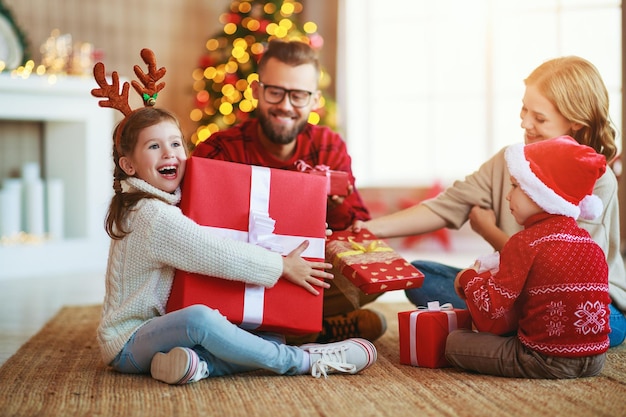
x=482, y=219
x=357, y=226
x=305, y=273
x=483, y=222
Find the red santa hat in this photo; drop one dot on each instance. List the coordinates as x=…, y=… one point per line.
x=559, y=175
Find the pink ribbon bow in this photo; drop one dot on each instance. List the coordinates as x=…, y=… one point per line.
x=304, y=167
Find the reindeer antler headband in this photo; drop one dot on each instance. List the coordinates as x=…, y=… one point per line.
x=116, y=100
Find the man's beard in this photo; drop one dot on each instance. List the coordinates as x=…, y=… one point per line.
x=280, y=136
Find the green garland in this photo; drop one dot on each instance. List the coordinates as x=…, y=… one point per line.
x=4, y=10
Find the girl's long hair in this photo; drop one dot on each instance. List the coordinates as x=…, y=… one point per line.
x=123, y=203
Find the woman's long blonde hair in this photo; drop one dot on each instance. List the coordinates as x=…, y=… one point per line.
x=574, y=86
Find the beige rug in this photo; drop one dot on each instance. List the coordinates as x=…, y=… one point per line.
x=58, y=373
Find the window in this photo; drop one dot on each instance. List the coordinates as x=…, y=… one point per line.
x=428, y=90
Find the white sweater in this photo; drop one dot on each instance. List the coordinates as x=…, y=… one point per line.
x=141, y=266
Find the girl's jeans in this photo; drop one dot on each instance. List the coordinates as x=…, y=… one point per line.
x=226, y=348
x=439, y=286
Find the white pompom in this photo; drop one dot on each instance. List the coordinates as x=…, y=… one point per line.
x=590, y=207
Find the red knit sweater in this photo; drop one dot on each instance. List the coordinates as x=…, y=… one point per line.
x=556, y=278
x=316, y=145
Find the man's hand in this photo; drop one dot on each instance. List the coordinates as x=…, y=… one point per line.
x=336, y=200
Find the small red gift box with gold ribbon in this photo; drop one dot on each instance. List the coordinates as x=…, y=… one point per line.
x=423, y=333
x=370, y=264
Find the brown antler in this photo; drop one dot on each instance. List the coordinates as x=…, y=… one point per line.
x=150, y=88
x=111, y=91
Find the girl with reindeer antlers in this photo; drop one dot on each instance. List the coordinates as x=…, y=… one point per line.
x=150, y=238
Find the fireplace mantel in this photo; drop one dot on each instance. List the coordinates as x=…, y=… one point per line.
x=77, y=149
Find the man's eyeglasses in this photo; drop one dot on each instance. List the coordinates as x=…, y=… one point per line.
x=274, y=95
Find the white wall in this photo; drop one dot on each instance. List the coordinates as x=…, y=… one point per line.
x=430, y=89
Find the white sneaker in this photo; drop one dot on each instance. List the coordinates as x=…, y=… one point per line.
x=349, y=356
x=178, y=366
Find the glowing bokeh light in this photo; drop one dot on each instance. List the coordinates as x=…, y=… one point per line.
x=230, y=28
x=314, y=118
x=287, y=9
x=226, y=108
x=310, y=27
x=244, y=7
x=212, y=44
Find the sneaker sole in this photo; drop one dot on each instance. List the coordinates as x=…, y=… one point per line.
x=176, y=367
x=370, y=349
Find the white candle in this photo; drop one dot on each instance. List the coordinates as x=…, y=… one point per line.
x=11, y=207
x=34, y=207
x=55, y=206
x=31, y=171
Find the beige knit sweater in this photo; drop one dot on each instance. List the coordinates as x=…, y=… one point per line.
x=141, y=266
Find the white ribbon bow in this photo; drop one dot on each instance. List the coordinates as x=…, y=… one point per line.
x=432, y=306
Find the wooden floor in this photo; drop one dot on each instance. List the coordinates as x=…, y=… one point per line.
x=26, y=304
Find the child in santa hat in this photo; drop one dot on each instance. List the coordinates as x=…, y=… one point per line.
x=551, y=277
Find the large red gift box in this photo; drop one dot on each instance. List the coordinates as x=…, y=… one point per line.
x=423, y=333
x=337, y=182
x=370, y=264
x=276, y=209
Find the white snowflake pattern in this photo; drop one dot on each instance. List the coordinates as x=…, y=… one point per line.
x=555, y=328
x=500, y=312
x=591, y=317
x=556, y=308
x=481, y=300
x=555, y=317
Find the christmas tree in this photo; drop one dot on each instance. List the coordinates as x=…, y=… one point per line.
x=229, y=63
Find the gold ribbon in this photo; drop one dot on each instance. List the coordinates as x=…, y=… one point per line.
x=359, y=249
